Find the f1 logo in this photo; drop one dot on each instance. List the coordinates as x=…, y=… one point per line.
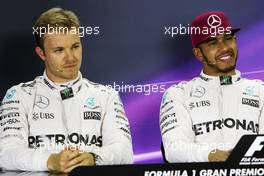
x=257, y=145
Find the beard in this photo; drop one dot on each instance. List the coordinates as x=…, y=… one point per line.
x=221, y=70
x=227, y=70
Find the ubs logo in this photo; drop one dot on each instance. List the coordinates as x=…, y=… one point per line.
x=193, y=105
x=41, y=115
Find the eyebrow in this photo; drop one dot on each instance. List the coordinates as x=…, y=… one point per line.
x=210, y=39
x=76, y=43
x=59, y=47
x=228, y=35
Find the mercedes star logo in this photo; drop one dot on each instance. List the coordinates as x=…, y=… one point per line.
x=198, y=92
x=214, y=21
x=41, y=101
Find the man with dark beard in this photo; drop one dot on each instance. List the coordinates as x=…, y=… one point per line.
x=203, y=119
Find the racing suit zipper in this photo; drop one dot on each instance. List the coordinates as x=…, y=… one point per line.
x=64, y=119
x=221, y=110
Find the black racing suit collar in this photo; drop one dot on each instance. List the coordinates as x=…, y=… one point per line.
x=221, y=80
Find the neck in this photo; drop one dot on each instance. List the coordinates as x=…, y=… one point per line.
x=218, y=73
x=59, y=80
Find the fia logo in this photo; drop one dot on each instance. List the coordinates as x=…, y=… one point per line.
x=254, y=155
x=257, y=145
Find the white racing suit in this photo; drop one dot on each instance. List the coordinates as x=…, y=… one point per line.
x=209, y=113
x=39, y=118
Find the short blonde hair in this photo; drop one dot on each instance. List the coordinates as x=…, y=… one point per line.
x=54, y=17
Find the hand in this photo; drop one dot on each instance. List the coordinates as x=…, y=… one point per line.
x=83, y=159
x=218, y=155
x=57, y=161
x=67, y=160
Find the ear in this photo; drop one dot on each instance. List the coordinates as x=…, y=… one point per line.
x=40, y=53
x=198, y=54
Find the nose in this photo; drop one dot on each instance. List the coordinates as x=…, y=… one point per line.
x=223, y=45
x=69, y=55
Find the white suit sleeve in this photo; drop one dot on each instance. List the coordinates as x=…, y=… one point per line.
x=117, y=142
x=14, y=151
x=261, y=121
x=261, y=118
x=176, y=129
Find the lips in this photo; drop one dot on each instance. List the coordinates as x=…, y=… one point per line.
x=69, y=65
x=225, y=56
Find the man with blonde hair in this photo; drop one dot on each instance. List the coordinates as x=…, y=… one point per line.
x=60, y=121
